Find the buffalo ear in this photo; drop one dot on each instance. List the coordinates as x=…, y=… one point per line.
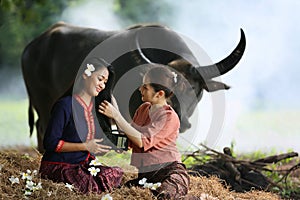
x=211, y=86
x=180, y=65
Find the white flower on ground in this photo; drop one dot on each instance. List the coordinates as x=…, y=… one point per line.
x=205, y=196
x=142, y=181
x=155, y=186
x=94, y=170
x=30, y=185
x=106, y=197
x=13, y=180
x=27, y=192
x=69, y=186
x=37, y=187
x=26, y=175
x=95, y=162
x=49, y=193
x=148, y=185
x=89, y=70
x=35, y=172
x=26, y=155
x=151, y=186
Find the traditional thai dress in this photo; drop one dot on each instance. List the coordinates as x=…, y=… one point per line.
x=73, y=121
x=159, y=160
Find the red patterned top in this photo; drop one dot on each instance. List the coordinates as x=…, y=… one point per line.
x=88, y=117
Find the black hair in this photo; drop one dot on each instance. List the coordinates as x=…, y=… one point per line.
x=162, y=78
x=105, y=94
x=98, y=63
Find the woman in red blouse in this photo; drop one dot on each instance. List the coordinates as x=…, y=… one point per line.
x=153, y=134
x=73, y=137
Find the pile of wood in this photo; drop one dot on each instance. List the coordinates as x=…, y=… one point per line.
x=240, y=175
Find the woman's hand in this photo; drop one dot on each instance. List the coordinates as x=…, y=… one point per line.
x=93, y=146
x=108, y=109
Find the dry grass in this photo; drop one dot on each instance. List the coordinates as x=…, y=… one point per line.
x=12, y=163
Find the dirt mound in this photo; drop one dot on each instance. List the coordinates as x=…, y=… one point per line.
x=15, y=165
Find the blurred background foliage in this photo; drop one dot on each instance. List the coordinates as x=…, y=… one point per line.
x=143, y=11
x=23, y=20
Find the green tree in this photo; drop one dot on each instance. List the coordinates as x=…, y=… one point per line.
x=21, y=21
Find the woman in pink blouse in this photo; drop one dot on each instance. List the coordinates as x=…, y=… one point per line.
x=153, y=134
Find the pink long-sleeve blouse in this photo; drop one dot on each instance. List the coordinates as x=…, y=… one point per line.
x=159, y=130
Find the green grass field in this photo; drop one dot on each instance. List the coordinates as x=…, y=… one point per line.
x=14, y=128
x=281, y=127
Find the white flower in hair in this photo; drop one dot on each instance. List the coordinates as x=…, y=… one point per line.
x=174, y=77
x=89, y=70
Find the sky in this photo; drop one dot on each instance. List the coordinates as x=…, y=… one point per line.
x=262, y=106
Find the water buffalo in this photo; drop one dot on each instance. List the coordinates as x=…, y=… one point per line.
x=50, y=63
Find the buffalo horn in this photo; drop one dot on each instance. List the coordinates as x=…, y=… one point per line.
x=140, y=50
x=227, y=63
